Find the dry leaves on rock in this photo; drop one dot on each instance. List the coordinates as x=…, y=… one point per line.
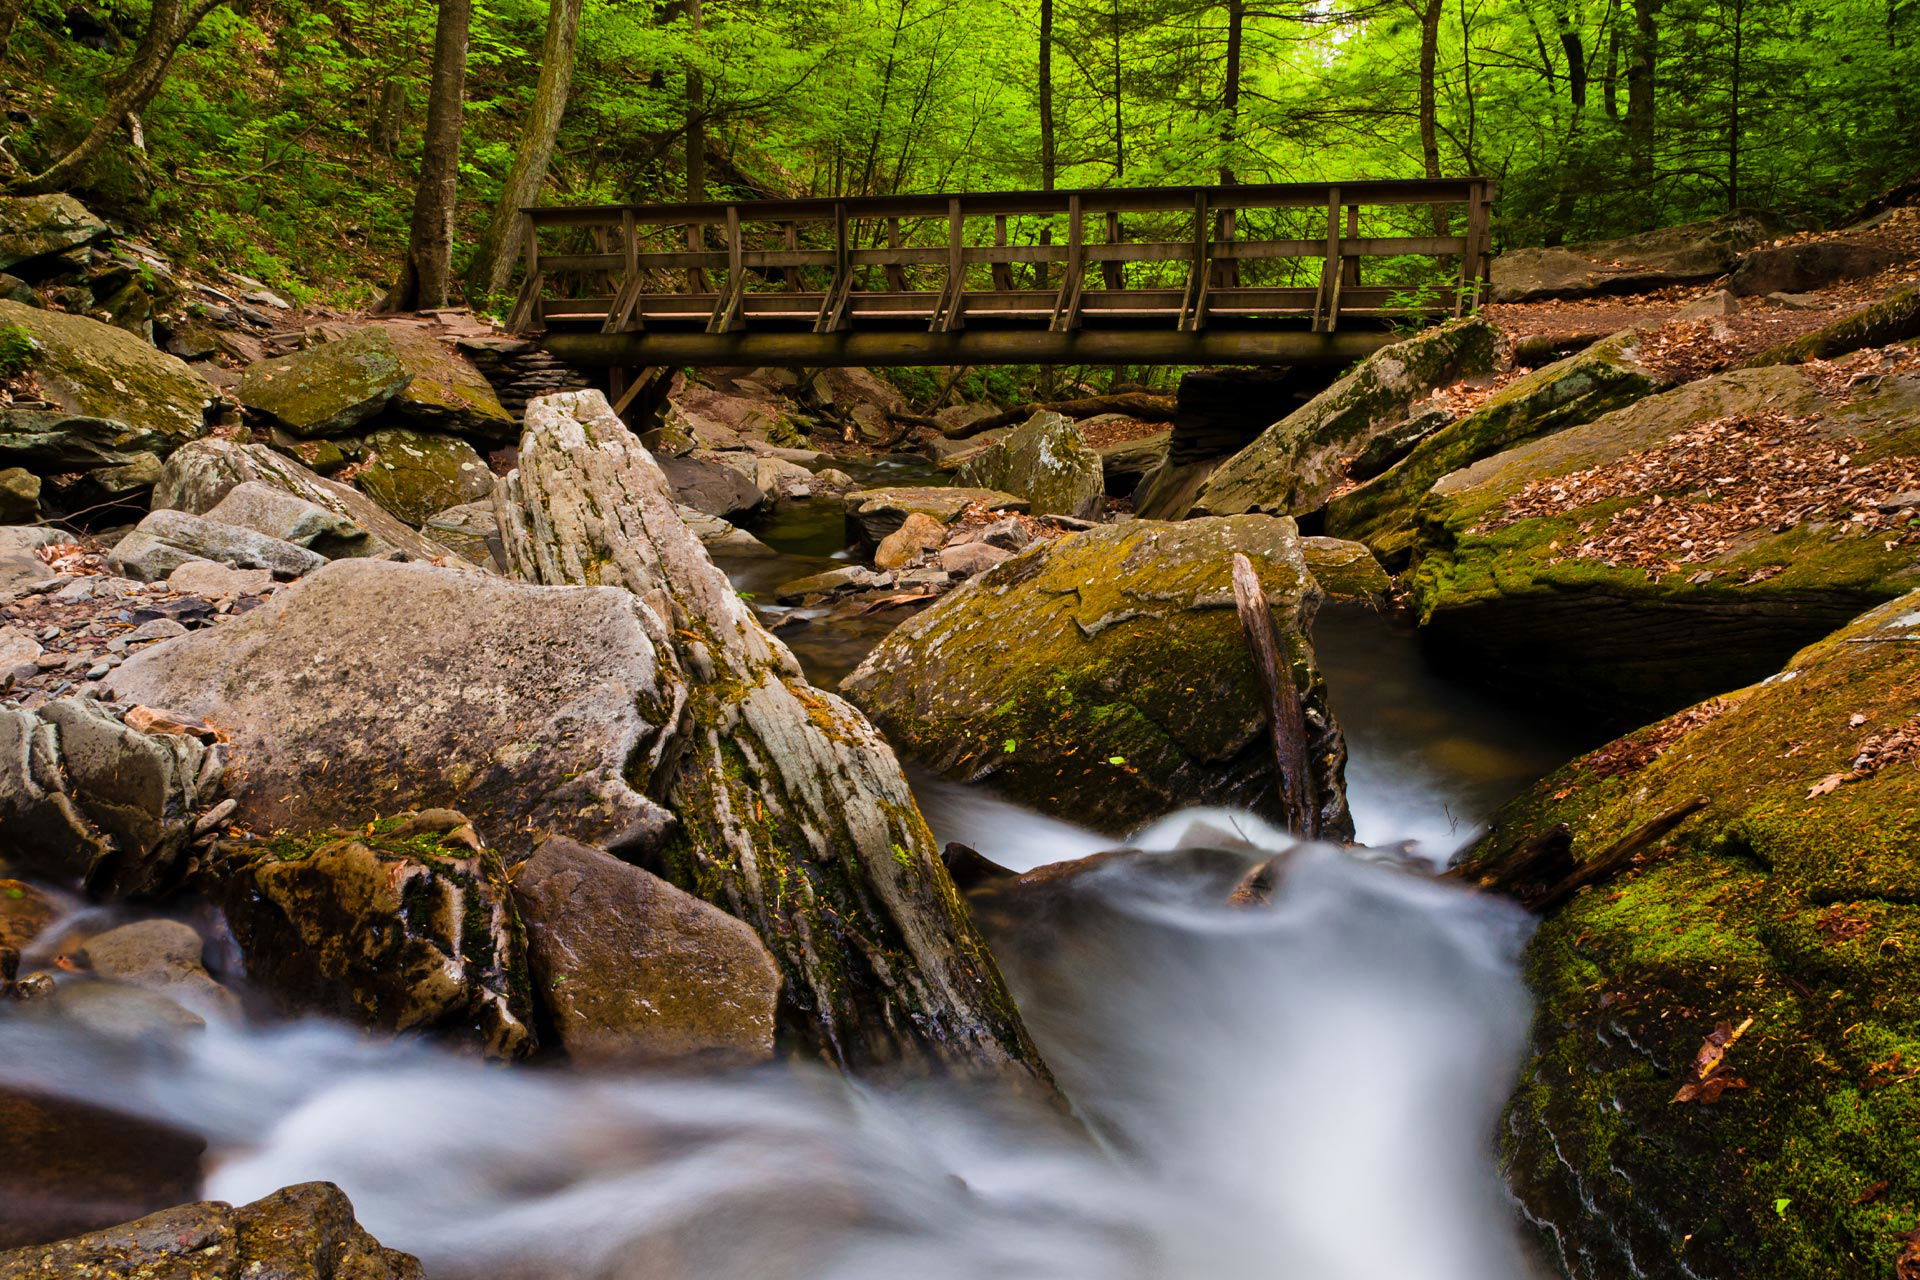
x=1709, y=1076
x=1630, y=755
x=1836, y=926
x=1907, y=1265
x=1716, y=485
x=1898, y=745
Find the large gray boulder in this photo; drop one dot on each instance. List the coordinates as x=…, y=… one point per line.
x=280, y=513
x=93, y=371
x=1106, y=676
x=792, y=812
x=22, y=571
x=711, y=486
x=199, y=477
x=633, y=970
x=90, y=799
x=304, y=1232
x=372, y=686
x=1690, y=252
x=165, y=540
x=37, y=227
x=1044, y=461
x=1297, y=463
x=1802, y=268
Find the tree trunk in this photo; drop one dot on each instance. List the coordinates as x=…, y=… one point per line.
x=1230, y=91
x=493, y=258
x=1643, y=58
x=1576, y=51
x=1733, y=109
x=1119, y=124
x=168, y=24
x=426, y=276
x=385, y=133
x=1429, y=100
x=1048, y=156
x=792, y=812
x=696, y=117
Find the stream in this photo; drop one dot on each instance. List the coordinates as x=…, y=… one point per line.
x=1308, y=1090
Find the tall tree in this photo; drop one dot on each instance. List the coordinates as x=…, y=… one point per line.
x=169, y=23
x=492, y=263
x=426, y=274
x=1049, y=156
x=1230, y=90
x=696, y=113
x=1642, y=61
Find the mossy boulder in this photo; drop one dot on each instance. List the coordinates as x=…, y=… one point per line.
x=1631, y=264
x=328, y=389
x=1346, y=571
x=1046, y=462
x=94, y=373
x=1295, y=464
x=1788, y=899
x=34, y=227
x=1105, y=676
x=406, y=924
x=1894, y=318
x=414, y=474
x=1551, y=598
x=1566, y=393
x=445, y=392
x=875, y=513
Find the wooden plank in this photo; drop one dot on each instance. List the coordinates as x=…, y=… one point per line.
x=1326, y=312
x=1002, y=276
x=1112, y=273
x=1199, y=267
x=1066, y=307
x=790, y=271
x=696, y=243
x=726, y=312
x=1350, y=264
x=526, y=306
x=623, y=311
x=949, y=315
x=1474, y=260
x=1226, y=270
x=896, y=276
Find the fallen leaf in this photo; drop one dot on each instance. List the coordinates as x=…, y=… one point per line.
x=1826, y=785
x=1710, y=1075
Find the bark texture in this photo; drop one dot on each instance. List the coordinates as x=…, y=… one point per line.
x=493, y=257
x=426, y=277
x=793, y=812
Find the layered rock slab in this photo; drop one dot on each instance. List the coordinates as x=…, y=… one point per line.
x=1045, y=461
x=371, y=686
x=1788, y=898
x=793, y=813
x=1106, y=676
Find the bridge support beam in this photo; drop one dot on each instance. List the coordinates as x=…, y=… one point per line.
x=967, y=346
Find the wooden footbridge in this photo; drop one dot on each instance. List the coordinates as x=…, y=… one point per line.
x=1291, y=273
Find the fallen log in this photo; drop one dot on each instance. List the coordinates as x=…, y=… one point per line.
x=1135, y=404
x=792, y=812
x=1542, y=873
x=1286, y=718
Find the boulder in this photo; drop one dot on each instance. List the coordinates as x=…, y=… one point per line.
x=416, y=473
x=918, y=533
x=634, y=970
x=22, y=571
x=875, y=513
x=37, y=227
x=1894, y=318
x=94, y=373
x=707, y=418
x=1131, y=691
x=721, y=537
x=1347, y=572
x=372, y=686
x=89, y=797
x=1566, y=393
x=25, y=911
x=217, y=582
x=328, y=389
x=1633, y=264
x=19, y=496
x=793, y=814
x=279, y=513
x=304, y=1232
x=200, y=476
x=1044, y=461
x=964, y=559
x=1125, y=463
x=469, y=530
x=444, y=392
x=1724, y=1021
x=165, y=540
x=1297, y=463
x=404, y=924
x=1676, y=547
x=853, y=577
x=124, y=483
x=711, y=486
x=161, y=956
x=1801, y=268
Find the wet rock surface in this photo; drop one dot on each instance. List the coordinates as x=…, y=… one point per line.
x=1045, y=461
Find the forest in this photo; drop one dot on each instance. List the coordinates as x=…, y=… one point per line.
x=285, y=135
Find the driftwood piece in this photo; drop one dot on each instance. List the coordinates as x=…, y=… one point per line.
x=793, y=813
x=1542, y=873
x=1135, y=404
x=1286, y=717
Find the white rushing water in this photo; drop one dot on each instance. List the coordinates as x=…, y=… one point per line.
x=1303, y=1090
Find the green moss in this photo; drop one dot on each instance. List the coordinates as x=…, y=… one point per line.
x=16, y=351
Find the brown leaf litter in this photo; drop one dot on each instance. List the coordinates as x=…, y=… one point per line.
x=1709, y=1075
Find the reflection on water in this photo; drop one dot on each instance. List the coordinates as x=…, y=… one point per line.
x=1428, y=760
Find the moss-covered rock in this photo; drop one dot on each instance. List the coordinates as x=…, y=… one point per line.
x=33, y=227
x=1789, y=899
x=328, y=389
x=403, y=925
x=1130, y=691
x=875, y=513
x=445, y=392
x=414, y=474
x=1046, y=462
x=1550, y=605
x=93, y=371
x=1632, y=264
x=1894, y=318
x=1566, y=393
x=19, y=496
x=1298, y=461
x=1347, y=571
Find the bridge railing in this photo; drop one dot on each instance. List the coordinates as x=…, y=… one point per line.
x=1186, y=258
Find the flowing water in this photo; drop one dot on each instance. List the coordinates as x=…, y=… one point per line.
x=1306, y=1090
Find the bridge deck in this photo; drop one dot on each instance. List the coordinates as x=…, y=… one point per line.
x=1249, y=274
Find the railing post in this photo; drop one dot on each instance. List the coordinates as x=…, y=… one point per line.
x=1113, y=274
x=1350, y=266
x=696, y=243
x=948, y=312
x=1327, y=306
x=1193, y=307
x=526, y=314
x=1002, y=271
x=896, y=274
x=1473, y=263
x=791, y=275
